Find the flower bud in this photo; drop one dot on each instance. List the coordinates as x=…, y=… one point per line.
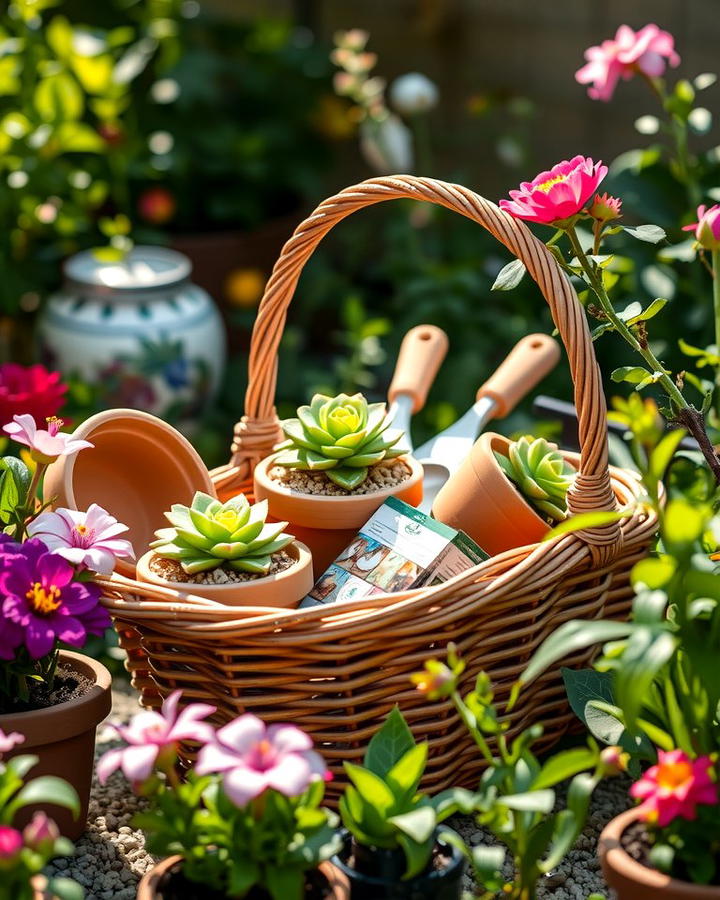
x=11, y=843
x=8, y=741
x=613, y=761
x=707, y=227
x=41, y=833
x=606, y=208
x=435, y=681
x=413, y=93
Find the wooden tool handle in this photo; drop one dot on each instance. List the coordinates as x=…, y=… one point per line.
x=528, y=363
x=421, y=354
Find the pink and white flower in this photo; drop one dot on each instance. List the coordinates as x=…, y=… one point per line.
x=707, y=227
x=675, y=787
x=88, y=540
x=45, y=445
x=254, y=757
x=8, y=741
x=152, y=739
x=647, y=51
x=557, y=194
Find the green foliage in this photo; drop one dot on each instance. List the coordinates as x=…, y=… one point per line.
x=541, y=474
x=381, y=807
x=34, y=854
x=515, y=797
x=342, y=436
x=209, y=534
x=279, y=838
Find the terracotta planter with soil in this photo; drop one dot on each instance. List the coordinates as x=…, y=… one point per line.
x=329, y=884
x=480, y=500
x=63, y=737
x=328, y=523
x=634, y=881
x=283, y=590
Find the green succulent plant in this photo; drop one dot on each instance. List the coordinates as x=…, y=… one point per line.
x=342, y=436
x=541, y=474
x=210, y=534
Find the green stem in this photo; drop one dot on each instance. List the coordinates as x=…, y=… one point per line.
x=684, y=413
x=469, y=722
x=716, y=308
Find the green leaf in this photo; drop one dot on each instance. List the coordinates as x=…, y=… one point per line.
x=654, y=572
x=58, y=98
x=48, y=789
x=683, y=523
x=530, y=801
x=586, y=520
x=418, y=824
x=651, y=234
x=649, y=312
x=404, y=777
x=285, y=883
x=630, y=374
x=646, y=653
x=371, y=788
x=569, y=638
x=65, y=889
x=563, y=765
x=14, y=484
x=389, y=744
x=509, y=276
x=416, y=855
x=662, y=454
x=488, y=864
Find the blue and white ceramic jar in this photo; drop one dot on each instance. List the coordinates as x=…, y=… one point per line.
x=138, y=331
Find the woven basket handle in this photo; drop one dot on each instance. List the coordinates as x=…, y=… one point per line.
x=258, y=430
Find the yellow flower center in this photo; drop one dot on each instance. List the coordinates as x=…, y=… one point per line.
x=672, y=775
x=44, y=601
x=81, y=529
x=546, y=185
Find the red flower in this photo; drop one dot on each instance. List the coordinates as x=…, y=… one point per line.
x=156, y=205
x=675, y=787
x=30, y=389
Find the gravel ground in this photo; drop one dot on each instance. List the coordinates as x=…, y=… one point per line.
x=110, y=858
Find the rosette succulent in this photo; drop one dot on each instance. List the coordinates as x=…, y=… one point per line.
x=541, y=474
x=210, y=534
x=342, y=436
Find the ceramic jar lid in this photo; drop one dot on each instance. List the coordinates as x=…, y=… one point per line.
x=143, y=269
x=137, y=468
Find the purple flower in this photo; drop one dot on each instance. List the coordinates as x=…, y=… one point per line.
x=85, y=539
x=151, y=735
x=254, y=757
x=41, y=598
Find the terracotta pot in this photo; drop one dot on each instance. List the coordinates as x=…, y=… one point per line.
x=63, y=737
x=634, y=881
x=480, y=500
x=328, y=524
x=149, y=887
x=284, y=590
x=138, y=467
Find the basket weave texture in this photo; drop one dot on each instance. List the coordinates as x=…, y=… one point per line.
x=337, y=671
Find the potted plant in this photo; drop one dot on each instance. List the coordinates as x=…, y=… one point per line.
x=228, y=552
x=339, y=462
x=507, y=493
x=656, y=686
x=515, y=799
x=393, y=847
x=25, y=852
x=246, y=821
x=52, y=696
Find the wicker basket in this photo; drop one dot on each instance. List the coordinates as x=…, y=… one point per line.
x=337, y=671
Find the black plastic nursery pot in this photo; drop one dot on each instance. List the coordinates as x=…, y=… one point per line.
x=376, y=874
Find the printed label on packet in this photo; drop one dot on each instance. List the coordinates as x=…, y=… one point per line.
x=398, y=548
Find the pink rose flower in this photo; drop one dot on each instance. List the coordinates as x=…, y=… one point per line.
x=45, y=446
x=11, y=843
x=88, y=540
x=674, y=788
x=707, y=227
x=254, y=757
x=153, y=737
x=558, y=193
x=8, y=741
x=647, y=51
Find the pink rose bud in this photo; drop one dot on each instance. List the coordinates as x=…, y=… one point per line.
x=707, y=227
x=41, y=833
x=11, y=843
x=613, y=761
x=606, y=208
